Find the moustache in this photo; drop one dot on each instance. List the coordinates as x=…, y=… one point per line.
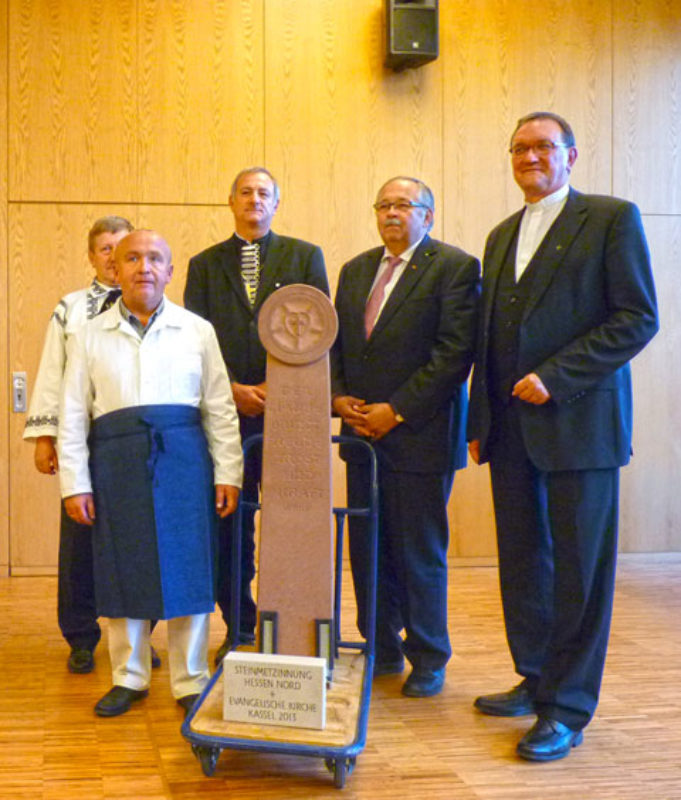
x=392, y=222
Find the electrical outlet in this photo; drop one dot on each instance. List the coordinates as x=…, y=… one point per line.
x=19, y=390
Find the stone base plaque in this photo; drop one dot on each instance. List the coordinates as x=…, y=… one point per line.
x=274, y=689
x=297, y=326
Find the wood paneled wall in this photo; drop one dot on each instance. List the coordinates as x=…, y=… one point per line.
x=4, y=278
x=149, y=107
x=646, y=135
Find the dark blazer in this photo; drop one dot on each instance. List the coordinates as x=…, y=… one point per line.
x=418, y=355
x=215, y=290
x=591, y=309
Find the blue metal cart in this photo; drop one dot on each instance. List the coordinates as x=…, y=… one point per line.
x=348, y=696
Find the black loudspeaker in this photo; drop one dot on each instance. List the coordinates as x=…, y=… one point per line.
x=411, y=33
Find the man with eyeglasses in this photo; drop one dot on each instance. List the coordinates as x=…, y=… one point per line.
x=407, y=318
x=567, y=301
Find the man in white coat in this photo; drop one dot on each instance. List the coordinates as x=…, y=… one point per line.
x=150, y=455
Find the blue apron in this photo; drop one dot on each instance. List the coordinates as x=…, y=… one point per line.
x=154, y=537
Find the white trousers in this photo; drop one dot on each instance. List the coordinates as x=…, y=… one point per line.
x=130, y=653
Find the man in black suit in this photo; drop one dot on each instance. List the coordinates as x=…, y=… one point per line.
x=227, y=285
x=568, y=299
x=407, y=318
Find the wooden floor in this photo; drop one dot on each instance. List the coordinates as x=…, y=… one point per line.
x=52, y=747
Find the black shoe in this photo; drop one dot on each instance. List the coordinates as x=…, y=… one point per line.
x=81, y=661
x=424, y=682
x=155, y=659
x=515, y=703
x=388, y=668
x=187, y=703
x=548, y=740
x=118, y=700
x=227, y=645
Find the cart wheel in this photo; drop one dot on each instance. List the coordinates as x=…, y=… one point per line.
x=339, y=773
x=340, y=768
x=208, y=756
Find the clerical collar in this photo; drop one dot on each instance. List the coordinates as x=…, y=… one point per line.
x=129, y=317
x=550, y=200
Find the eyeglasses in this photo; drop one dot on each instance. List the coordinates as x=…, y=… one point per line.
x=403, y=206
x=540, y=148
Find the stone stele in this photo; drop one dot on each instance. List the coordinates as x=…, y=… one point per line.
x=297, y=326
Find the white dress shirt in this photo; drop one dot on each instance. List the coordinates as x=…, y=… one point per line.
x=110, y=367
x=534, y=226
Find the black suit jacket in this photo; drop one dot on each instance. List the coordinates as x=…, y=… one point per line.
x=418, y=355
x=215, y=290
x=592, y=307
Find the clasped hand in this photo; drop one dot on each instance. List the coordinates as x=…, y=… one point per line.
x=373, y=420
x=249, y=399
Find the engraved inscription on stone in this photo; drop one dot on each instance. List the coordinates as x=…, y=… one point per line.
x=275, y=690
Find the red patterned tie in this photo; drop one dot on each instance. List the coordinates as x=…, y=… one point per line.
x=376, y=297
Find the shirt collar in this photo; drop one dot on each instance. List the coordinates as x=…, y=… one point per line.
x=253, y=241
x=407, y=254
x=263, y=242
x=132, y=320
x=98, y=288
